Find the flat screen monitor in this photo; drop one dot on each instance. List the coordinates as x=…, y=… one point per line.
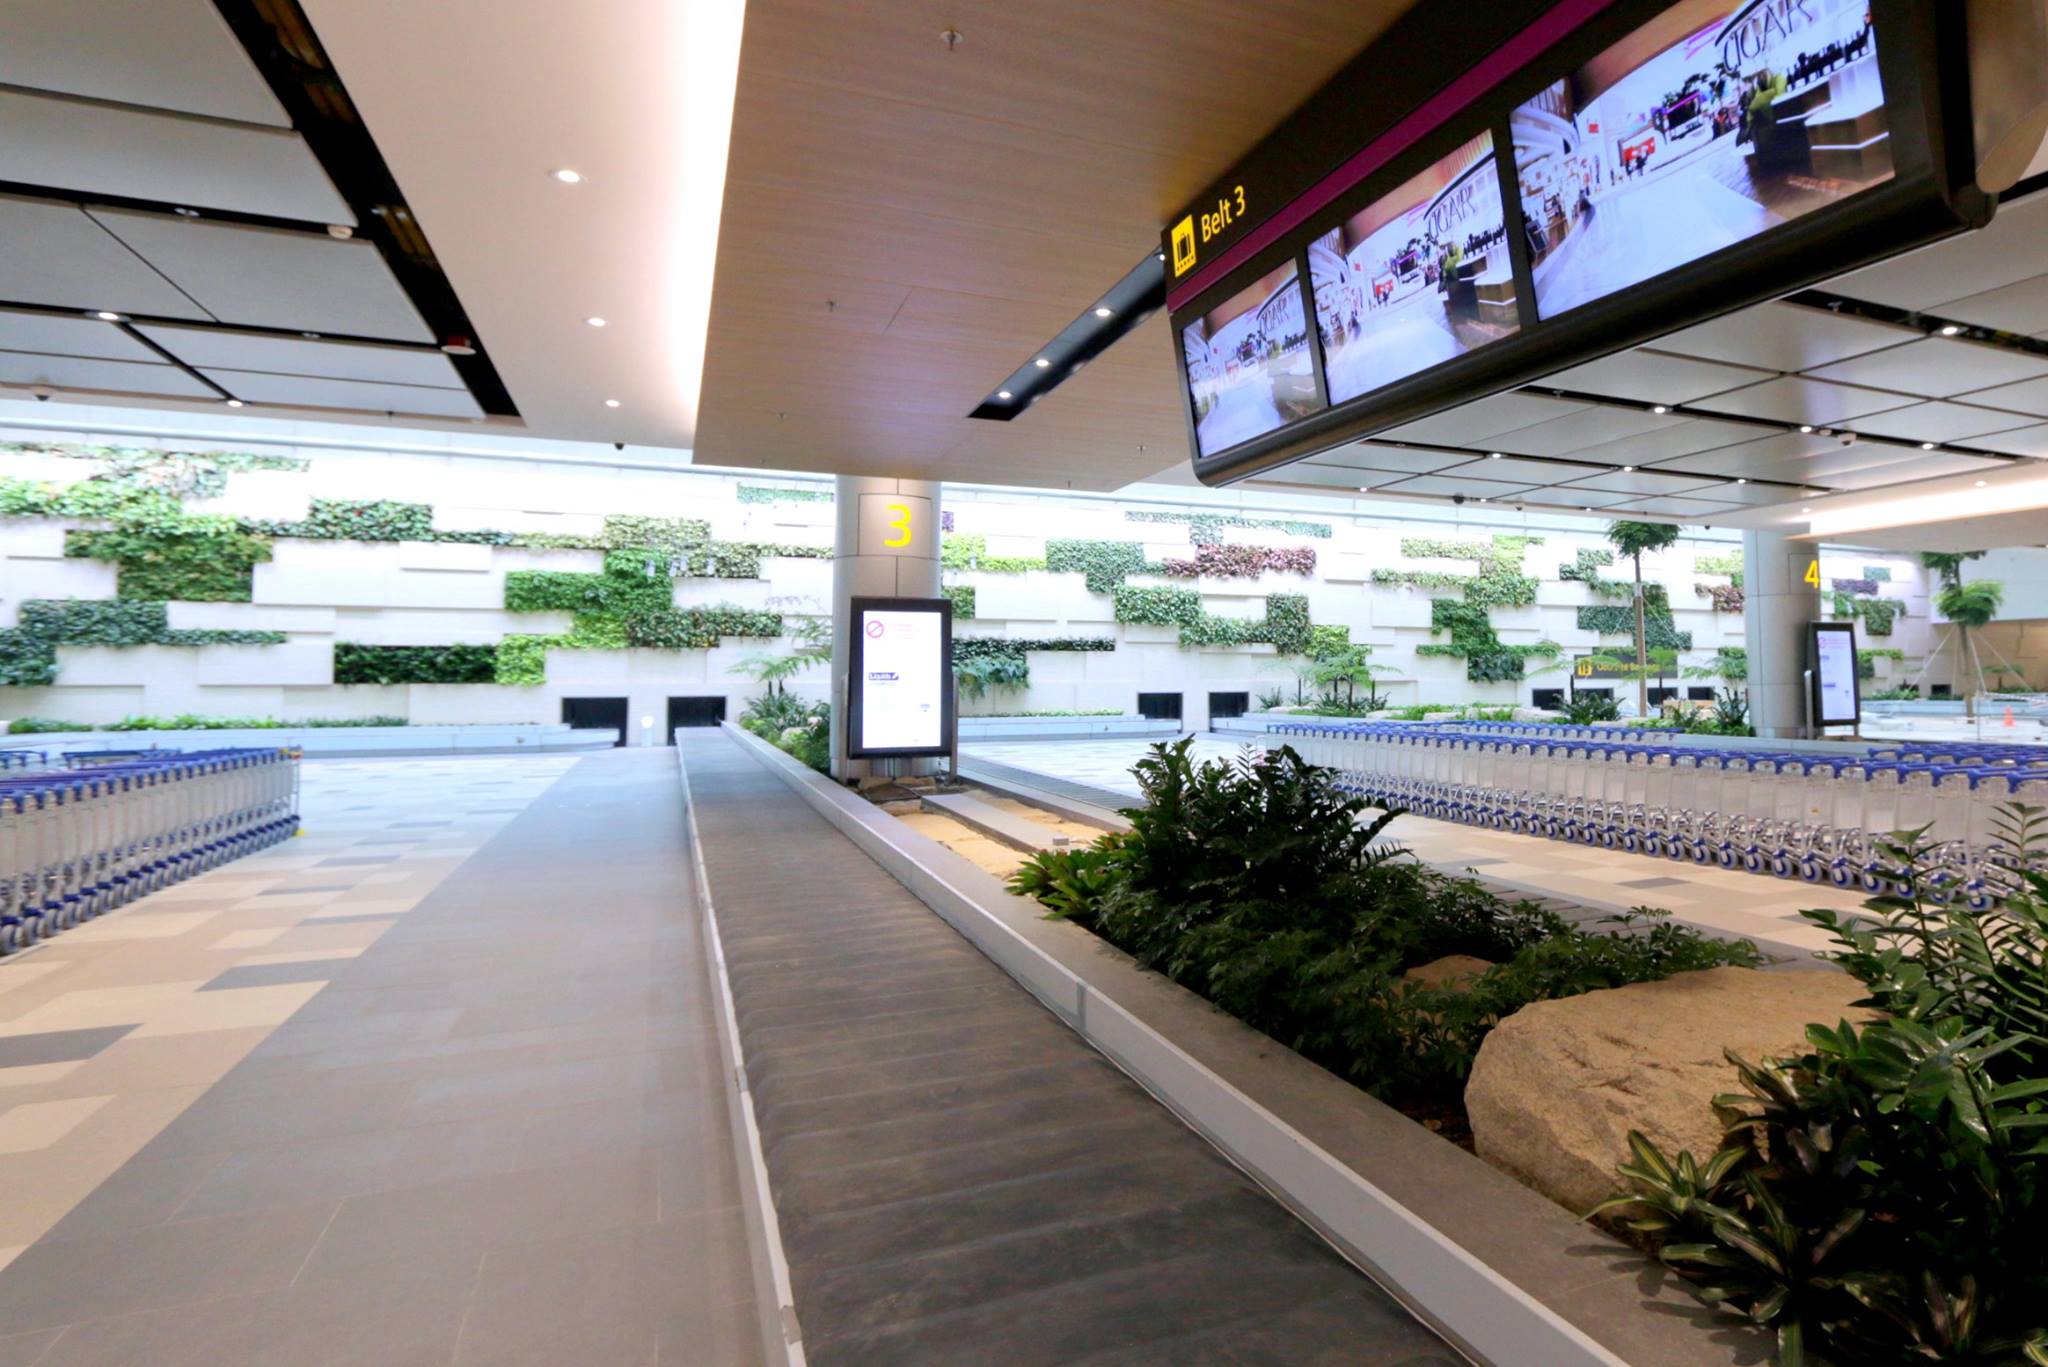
x=899, y=695
x=1418, y=277
x=1711, y=124
x=1837, y=699
x=1248, y=365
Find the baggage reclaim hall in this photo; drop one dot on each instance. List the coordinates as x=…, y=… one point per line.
x=766, y=682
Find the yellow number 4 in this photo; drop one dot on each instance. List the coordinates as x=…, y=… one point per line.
x=899, y=523
x=1813, y=573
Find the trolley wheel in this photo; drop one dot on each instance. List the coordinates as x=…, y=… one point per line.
x=1809, y=871
x=1754, y=863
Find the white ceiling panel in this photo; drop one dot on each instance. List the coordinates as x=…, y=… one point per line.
x=1648, y=377
x=299, y=391
x=203, y=347
x=1783, y=337
x=1688, y=509
x=1473, y=423
x=69, y=335
x=1694, y=434
x=52, y=253
x=1388, y=459
x=267, y=277
x=1754, y=495
x=1936, y=367
x=1594, y=426
x=1798, y=457
x=1798, y=400
x=2025, y=441
x=2021, y=307
x=1939, y=421
x=2014, y=247
x=1303, y=475
x=105, y=149
x=74, y=372
x=1533, y=471
x=1443, y=486
x=1643, y=482
x=2028, y=396
x=166, y=54
x=1917, y=465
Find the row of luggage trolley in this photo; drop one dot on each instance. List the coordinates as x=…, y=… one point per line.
x=86, y=832
x=1821, y=818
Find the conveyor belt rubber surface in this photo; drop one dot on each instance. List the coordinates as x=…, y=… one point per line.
x=957, y=1176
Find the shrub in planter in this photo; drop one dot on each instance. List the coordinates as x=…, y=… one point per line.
x=1260, y=885
x=1880, y=1198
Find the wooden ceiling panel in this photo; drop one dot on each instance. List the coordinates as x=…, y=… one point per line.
x=982, y=197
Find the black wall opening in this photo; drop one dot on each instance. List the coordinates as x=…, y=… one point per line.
x=1549, y=699
x=1225, y=705
x=694, y=712
x=1159, y=706
x=591, y=714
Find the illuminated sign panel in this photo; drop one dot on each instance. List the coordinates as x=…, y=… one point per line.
x=1837, y=699
x=899, y=686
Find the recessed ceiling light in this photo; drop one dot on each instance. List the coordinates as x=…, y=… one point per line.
x=1103, y=311
x=1806, y=510
x=1659, y=408
x=1042, y=363
x=234, y=403
x=1002, y=393
x=183, y=212
x=1742, y=481
x=611, y=403
x=106, y=317
x=1364, y=488
x=1950, y=330
x=1806, y=427
x=567, y=176
x=595, y=322
x=1493, y=455
x=1628, y=469
x=1981, y=483
x=1585, y=510
x=310, y=336
x=1162, y=256
x=1926, y=446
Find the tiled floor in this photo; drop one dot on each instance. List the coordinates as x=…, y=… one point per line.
x=1736, y=903
x=433, y=1083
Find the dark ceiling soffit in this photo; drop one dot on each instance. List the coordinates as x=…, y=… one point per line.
x=281, y=42
x=1130, y=301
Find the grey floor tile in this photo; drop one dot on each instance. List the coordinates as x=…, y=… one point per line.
x=56, y=1282
x=269, y=975
x=353, y=1165
x=57, y=1046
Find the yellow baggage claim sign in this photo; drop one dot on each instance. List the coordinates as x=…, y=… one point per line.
x=1230, y=212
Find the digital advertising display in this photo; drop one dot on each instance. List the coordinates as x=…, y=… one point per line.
x=1836, y=693
x=1713, y=123
x=900, y=696
x=1418, y=277
x=1249, y=369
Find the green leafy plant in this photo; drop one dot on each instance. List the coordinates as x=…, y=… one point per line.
x=1157, y=607
x=979, y=676
x=1260, y=885
x=1104, y=564
x=1206, y=529
x=377, y=664
x=195, y=560
x=763, y=493
x=962, y=598
x=1634, y=539
x=1970, y=607
x=1238, y=562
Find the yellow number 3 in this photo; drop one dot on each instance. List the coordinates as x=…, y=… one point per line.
x=899, y=523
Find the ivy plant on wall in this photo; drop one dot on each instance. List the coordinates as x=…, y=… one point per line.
x=762, y=493
x=969, y=551
x=1103, y=564
x=375, y=664
x=1430, y=580
x=1726, y=563
x=1725, y=597
x=696, y=628
x=1472, y=638
x=1241, y=562
x=28, y=651
x=201, y=560
x=962, y=598
x=1206, y=529
x=1660, y=629
x=1157, y=607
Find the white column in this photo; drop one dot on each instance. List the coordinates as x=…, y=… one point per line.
x=1780, y=597
x=887, y=546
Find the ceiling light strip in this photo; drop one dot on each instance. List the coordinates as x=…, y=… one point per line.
x=1120, y=310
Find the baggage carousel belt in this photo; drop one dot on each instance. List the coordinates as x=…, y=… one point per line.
x=959, y=1178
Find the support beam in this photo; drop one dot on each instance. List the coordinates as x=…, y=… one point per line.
x=1781, y=596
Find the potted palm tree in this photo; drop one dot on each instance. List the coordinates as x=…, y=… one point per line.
x=1632, y=539
x=1969, y=606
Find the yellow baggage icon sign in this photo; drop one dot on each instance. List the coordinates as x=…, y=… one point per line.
x=1184, y=245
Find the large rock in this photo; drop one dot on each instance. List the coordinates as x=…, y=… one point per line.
x=1558, y=1085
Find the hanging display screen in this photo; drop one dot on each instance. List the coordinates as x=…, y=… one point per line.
x=900, y=696
x=1612, y=173
x=1713, y=123
x=1247, y=363
x=1419, y=277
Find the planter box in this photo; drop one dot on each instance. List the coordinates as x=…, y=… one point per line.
x=331, y=740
